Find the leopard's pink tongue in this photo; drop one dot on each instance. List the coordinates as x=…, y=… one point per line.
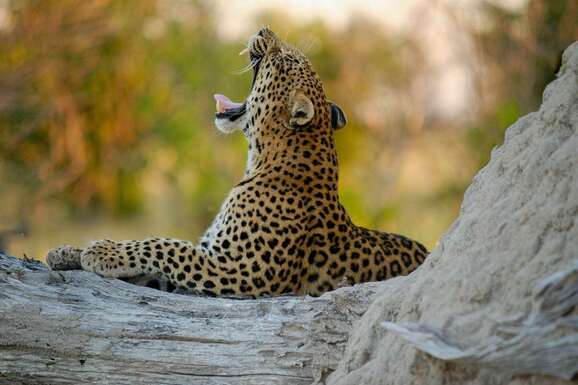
x=224, y=103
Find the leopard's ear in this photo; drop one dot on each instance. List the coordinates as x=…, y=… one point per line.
x=338, y=119
x=301, y=110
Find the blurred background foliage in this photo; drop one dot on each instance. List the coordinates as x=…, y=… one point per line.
x=106, y=110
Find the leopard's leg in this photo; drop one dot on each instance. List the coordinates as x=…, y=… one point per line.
x=68, y=258
x=185, y=265
x=385, y=255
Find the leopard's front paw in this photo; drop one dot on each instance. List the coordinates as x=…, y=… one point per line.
x=109, y=259
x=64, y=258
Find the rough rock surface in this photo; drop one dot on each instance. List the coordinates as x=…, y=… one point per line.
x=481, y=289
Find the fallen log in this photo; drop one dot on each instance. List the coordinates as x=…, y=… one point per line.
x=74, y=327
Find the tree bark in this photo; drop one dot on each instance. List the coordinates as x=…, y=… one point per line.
x=75, y=327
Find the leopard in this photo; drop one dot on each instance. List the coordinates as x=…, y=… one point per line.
x=282, y=229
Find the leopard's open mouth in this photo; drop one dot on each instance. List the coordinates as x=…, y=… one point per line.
x=226, y=108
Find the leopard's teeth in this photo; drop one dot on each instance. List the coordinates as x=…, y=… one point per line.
x=219, y=106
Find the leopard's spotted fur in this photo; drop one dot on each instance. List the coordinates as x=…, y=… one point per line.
x=282, y=229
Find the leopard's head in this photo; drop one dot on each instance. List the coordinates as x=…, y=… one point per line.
x=286, y=96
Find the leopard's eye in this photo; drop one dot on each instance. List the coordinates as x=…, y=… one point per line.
x=257, y=46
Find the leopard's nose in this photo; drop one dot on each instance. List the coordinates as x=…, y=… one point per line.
x=257, y=45
x=265, y=32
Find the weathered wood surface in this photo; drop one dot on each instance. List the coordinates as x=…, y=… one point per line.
x=75, y=327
